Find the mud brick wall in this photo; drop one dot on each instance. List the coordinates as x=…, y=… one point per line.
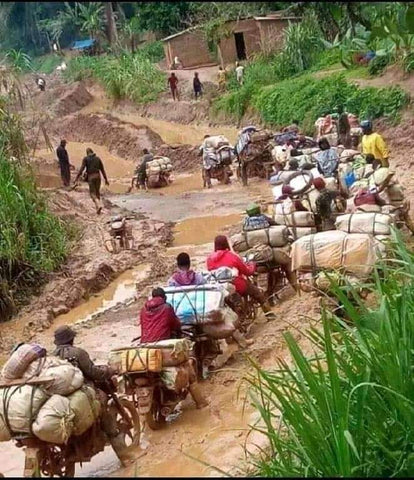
x=227, y=46
x=190, y=47
x=272, y=32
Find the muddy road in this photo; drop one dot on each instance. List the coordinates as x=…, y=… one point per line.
x=100, y=294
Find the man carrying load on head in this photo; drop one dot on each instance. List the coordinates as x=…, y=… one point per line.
x=96, y=374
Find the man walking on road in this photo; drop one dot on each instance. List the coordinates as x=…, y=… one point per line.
x=94, y=168
x=64, y=164
x=172, y=82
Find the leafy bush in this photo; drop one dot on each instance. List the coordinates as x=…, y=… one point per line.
x=47, y=63
x=126, y=76
x=306, y=98
x=378, y=64
x=152, y=51
x=348, y=410
x=32, y=241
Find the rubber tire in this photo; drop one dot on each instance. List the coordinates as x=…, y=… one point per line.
x=155, y=423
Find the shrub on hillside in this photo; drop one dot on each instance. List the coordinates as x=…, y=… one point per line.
x=126, y=76
x=306, y=98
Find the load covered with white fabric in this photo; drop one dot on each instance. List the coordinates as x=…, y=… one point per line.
x=158, y=165
x=373, y=223
x=216, y=141
x=295, y=219
x=353, y=253
x=275, y=236
x=54, y=421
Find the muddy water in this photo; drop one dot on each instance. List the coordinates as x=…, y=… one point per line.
x=115, y=167
x=171, y=133
x=119, y=291
x=200, y=230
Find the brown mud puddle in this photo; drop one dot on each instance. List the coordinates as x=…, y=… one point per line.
x=200, y=230
x=171, y=133
x=115, y=167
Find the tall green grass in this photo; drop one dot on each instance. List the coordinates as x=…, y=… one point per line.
x=32, y=240
x=347, y=409
x=128, y=76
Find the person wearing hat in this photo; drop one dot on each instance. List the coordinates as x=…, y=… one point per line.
x=373, y=143
x=256, y=220
x=64, y=337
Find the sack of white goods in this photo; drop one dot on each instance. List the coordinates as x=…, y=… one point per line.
x=259, y=254
x=299, y=232
x=19, y=405
x=354, y=253
x=373, y=223
x=216, y=141
x=223, y=329
x=174, y=351
x=296, y=219
x=66, y=377
x=55, y=420
x=20, y=360
x=276, y=236
x=86, y=409
x=281, y=256
x=239, y=243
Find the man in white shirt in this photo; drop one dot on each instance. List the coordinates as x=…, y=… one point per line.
x=239, y=73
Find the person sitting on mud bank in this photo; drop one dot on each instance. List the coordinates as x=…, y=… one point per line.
x=94, y=168
x=96, y=375
x=184, y=276
x=64, y=164
x=224, y=257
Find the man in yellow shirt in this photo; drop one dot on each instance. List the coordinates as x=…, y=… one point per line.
x=373, y=143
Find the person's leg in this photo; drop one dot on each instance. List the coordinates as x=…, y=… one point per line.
x=208, y=177
x=259, y=296
x=242, y=342
x=93, y=187
x=66, y=174
x=173, y=93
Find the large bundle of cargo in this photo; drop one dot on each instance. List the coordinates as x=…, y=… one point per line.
x=194, y=305
x=353, y=253
x=216, y=141
x=158, y=165
x=373, y=223
x=275, y=236
x=295, y=219
x=136, y=359
x=54, y=406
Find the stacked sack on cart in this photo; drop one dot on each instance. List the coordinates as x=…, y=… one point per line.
x=204, y=306
x=44, y=396
x=169, y=358
x=218, y=150
x=159, y=165
x=265, y=245
x=319, y=256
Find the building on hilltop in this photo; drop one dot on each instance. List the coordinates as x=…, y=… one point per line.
x=241, y=39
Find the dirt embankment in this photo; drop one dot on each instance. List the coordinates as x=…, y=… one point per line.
x=124, y=139
x=89, y=267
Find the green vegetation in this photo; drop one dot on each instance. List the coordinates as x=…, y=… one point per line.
x=305, y=98
x=347, y=409
x=46, y=63
x=32, y=241
x=126, y=76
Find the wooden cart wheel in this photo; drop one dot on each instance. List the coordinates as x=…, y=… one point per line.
x=130, y=429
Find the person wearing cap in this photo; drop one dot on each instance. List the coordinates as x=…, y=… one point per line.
x=94, y=168
x=94, y=374
x=323, y=203
x=373, y=143
x=256, y=220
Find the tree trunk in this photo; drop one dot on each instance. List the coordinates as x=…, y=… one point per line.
x=110, y=24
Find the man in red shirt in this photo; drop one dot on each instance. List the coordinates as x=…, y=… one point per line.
x=158, y=319
x=172, y=82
